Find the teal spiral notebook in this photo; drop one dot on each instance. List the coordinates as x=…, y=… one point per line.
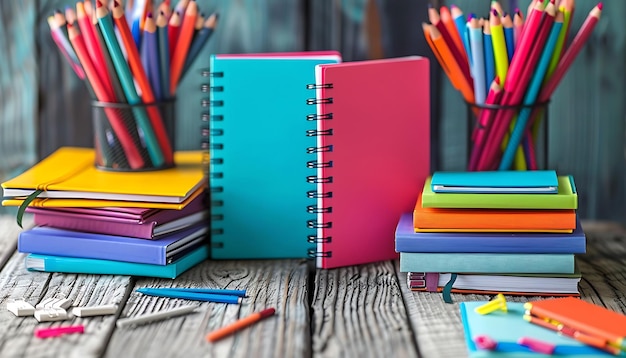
x=258, y=140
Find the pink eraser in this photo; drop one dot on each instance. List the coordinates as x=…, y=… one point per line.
x=485, y=342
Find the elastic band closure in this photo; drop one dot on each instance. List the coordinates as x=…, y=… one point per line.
x=447, y=289
x=24, y=205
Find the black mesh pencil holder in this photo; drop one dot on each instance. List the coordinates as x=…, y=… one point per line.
x=136, y=137
x=532, y=153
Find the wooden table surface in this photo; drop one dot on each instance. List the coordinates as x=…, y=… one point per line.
x=361, y=311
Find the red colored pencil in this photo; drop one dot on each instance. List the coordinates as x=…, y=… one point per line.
x=481, y=132
x=117, y=123
x=187, y=30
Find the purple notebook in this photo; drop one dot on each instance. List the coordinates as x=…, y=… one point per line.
x=130, y=222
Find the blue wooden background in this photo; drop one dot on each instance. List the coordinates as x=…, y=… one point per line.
x=44, y=106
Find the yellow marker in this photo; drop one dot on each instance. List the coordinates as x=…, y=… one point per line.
x=498, y=303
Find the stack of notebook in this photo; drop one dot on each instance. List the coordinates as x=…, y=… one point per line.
x=151, y=223
x=485, y=232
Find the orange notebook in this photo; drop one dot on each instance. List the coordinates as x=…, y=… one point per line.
x=587, y=322
x=492, y=220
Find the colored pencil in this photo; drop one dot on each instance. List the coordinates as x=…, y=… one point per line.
x=105, y=23
x=509, y=36
x=173, y=30
x=93, y=46
x=461, y=26
x=435, y=19
x=164, y=55
x=490, y=63
x=446, y=18
x=478, y=60
x=65, y=48
x=239, y=324
x=162, y=144
x=532, y=92
x=519, y=74
x=150, y=56
x=200, y=39
x=481, y=130
x=182, y=45
x=130, y=150
x=499, y=44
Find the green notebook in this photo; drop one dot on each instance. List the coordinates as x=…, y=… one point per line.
x=566, y=198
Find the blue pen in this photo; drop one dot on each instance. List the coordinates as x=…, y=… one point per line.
x=195, y=296
x=215, y=291
x=531, y=95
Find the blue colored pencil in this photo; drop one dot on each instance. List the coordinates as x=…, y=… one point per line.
x=531, y=94
x=150, y=56
x=199, y=41
x=164, y=54
x=490, y=63
x=478, y=61
x=195, y=296
x=215, y=291
x=509, y=36
x=461, y=25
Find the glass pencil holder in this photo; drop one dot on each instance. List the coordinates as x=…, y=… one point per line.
x=133, y=138
x=493, y=130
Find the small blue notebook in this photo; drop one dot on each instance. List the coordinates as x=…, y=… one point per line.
x=407, y=240
x=507, y=327
x=503, y=182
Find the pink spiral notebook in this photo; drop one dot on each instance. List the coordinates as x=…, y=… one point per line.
x=372, y=124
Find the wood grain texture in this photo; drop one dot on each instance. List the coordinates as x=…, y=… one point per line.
x=84, y=290
x=358, y=312
x=279, y=284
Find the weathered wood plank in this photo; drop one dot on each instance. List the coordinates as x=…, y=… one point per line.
x=281, y=284
x=9, y=230
x=358, y=311
x=84, y=290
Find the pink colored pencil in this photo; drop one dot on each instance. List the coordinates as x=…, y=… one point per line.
x=520, y=73
x=481, y=131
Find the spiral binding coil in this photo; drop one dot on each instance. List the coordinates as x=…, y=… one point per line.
x=316, y=179
x=211, y=134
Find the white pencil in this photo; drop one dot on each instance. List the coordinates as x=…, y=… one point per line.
x=131, y=321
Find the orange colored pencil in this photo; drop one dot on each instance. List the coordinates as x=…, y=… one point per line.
x=237, y=325
x=435, y=19
x=426, y=29
x=187, y=30
x=456, y=73
x=117, y=123
x=147, y=96
x=446, y=18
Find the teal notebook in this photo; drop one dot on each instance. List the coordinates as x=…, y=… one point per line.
x=506, y=328
x=565, y=198
x=49, y=263
x=502, y=181
x=486, y=262
x=258, y=141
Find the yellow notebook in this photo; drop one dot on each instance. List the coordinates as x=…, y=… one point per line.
x=69, y=175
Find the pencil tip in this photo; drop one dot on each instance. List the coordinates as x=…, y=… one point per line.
x=600, y=5
x=98, y=4
x=494, y=12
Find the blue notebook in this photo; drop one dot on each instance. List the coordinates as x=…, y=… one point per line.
x=259, y=136
x=486, y=262
x=49, y=263
x=407, y=240
x=506, y=328
x=59, y=242
x=503, y=182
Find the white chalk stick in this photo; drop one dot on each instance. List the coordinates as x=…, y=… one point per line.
x=50, y=314
x=94, y=310
x=150, y=317
x=21, y=308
